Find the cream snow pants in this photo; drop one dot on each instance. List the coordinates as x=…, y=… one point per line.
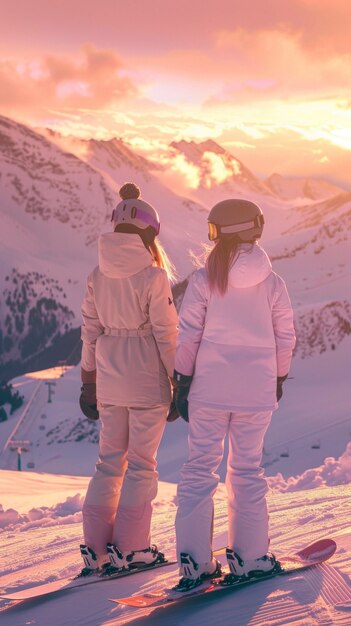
x=118, y=502
x=245, y=482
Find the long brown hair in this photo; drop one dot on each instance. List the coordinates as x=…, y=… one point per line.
x=219, y=262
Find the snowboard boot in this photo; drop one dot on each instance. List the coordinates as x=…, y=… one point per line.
x=131, y=560
x=141, y=558
x=90, y=561
x=251, y=568
x=194, y=574
x=117, y=563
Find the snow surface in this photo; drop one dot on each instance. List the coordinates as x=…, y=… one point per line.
x=309, y=498
x=41, y=544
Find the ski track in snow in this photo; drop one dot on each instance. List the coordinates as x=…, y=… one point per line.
x=318, y=596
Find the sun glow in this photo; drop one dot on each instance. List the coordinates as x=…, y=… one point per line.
x=273, y=84
x=341, y=137
x=50, y=374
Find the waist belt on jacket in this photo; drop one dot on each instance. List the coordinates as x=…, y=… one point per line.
x=129, y=332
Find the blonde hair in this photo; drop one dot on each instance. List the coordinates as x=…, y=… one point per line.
x=147, y=235
x=219, y=262
x=152, y=245
x=161, y=259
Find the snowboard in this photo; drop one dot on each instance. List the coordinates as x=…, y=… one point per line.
x=66, y=584
x=309, y=556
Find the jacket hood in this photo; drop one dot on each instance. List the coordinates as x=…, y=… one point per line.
x=251, y=266
x=122, y=254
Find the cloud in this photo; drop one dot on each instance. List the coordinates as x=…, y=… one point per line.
x=216, y=169
x=190, y=173
x=245, y=63
x=230, y=50
x=274, y=63
x=91, y=78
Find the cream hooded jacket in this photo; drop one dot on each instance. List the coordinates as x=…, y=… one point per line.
x=237, y=344
x=129, y=326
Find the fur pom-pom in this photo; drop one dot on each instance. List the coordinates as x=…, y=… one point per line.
x=128, y=191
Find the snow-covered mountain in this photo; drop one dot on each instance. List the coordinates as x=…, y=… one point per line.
x=40, y=181
x=36, y=314
x=323, y=327
x=314, y=257
x=56, y=197
x=218, y=171
x=111, y=157
x=310, y=215
x=303, y=189
x=314, y=252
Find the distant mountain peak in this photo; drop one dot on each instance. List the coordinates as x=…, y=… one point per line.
x=305, y=188
x=217, y=166
x=192, y=148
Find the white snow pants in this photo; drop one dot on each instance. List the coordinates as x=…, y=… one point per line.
x=118, y=502
x=245, y=482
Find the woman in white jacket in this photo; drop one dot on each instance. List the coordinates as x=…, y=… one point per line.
x=236, y=338
x=129, y=334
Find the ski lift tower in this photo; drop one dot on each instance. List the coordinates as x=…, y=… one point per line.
x=51, y=392
x=19, y=447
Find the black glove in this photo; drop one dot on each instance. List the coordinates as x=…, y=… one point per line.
x=172, y=411
x=180, y=396
x=88, y=402
x=280, y=380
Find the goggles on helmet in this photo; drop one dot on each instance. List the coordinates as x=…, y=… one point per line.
x=215, y=231
x=145, y=217
x=136, y=213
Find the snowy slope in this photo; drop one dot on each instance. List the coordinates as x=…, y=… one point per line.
x=40, y=181
x=310, y=215
x=312, y=422
x=314, y=257
x=40, y=542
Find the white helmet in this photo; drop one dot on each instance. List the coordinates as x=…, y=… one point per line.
x=235, y=217
x=134, y=211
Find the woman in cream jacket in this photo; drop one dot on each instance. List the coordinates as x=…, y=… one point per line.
x=129, y=334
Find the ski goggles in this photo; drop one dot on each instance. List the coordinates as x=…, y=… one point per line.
x=215, y=231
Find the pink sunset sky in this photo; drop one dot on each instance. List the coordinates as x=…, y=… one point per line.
x=269, y=80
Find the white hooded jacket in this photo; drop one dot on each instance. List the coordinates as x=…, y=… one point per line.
x=129, y=326
x=237, y=344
